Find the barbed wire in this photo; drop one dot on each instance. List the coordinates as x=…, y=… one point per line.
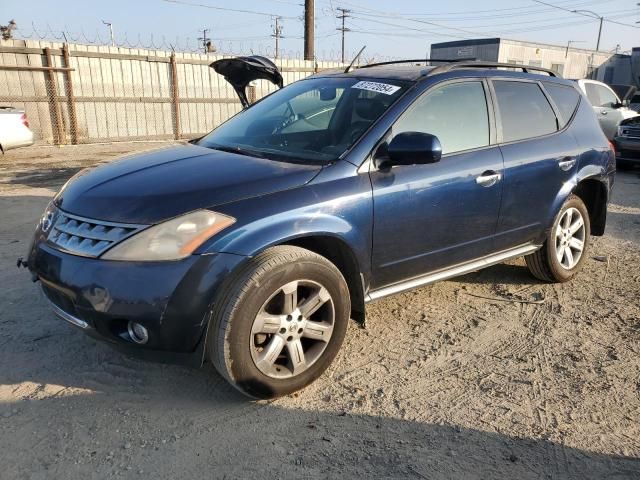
x=235, y=46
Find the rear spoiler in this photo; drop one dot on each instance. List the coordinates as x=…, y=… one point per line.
x=240, y=71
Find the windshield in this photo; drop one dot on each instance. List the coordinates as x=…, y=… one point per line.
x=311, y=121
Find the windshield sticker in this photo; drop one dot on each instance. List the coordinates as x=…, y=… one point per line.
x=377, y=87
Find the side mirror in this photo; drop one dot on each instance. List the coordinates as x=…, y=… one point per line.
x=411, y=148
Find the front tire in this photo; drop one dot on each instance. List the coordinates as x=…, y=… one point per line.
x=280, y=322
x=562, y=254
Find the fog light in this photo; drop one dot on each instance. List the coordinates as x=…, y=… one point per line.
x=137, y=332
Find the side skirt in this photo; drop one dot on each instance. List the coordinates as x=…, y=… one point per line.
x=450, y=272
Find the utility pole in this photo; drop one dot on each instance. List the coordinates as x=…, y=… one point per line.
x=566, y=53
x=344, y=14
x=205, y=41
x=309, y=29
x=599, y=17
x=113, y=42
x=277, y=34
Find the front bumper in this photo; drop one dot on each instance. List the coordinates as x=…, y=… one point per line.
x=627, y=149
x=172, y=300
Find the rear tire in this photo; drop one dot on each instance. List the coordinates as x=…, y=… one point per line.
x=565, y=248
x=279, y=323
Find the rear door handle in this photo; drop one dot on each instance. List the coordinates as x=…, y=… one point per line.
x=566, y=163
x=489, y=178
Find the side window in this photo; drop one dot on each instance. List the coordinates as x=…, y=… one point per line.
x=566, y=99
x=456, y=114
x=592, y=94
x=524, y=110
x=607, y=97
x=600, y=96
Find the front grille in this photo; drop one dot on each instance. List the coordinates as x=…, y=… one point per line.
x=631, y=132
x=87, y=237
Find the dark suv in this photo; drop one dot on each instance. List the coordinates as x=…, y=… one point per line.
x=253, y=246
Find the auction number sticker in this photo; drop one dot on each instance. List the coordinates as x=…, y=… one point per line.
x=377, y=87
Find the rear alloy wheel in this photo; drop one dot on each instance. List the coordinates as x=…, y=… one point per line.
x=279, y=322
x=564, y=250
x=569, y=238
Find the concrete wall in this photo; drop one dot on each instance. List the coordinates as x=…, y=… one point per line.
x=121, y=93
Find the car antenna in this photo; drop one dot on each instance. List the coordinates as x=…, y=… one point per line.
x=348, y=69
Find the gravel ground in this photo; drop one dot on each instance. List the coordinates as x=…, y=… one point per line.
x=460, y=379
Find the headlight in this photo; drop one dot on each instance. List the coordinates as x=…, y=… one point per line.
x=171, y=240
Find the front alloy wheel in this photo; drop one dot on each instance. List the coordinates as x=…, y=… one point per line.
x=292, y=329
x=279, y=321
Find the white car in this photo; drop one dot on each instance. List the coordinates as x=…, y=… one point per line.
x=608, y=106
x=14, y=129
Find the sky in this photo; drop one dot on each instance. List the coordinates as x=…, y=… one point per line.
x=398, y=29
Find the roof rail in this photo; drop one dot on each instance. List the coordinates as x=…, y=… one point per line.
x=417, y=60
x=464, y=64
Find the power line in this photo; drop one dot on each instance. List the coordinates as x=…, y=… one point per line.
x=226, y=9
x=578, y=12
x=500, y=12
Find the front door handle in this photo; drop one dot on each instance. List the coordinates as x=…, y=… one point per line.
x=489, y=178
x=566, y=163
x=604, y=112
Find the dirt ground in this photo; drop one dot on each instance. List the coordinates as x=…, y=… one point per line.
x=454, y=380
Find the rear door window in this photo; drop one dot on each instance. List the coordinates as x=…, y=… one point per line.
x=566, y=99
x=455, y=113
x=524, y=110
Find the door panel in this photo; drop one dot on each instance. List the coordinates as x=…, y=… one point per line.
x=427, y=217
x=534, y=174
x=537, y=161
x=604, y=100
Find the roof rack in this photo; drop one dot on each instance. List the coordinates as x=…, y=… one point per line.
x=465, y=64
x=417, y=60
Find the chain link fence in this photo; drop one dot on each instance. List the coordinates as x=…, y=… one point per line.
x=75, y=94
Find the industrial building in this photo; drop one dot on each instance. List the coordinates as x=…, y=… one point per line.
x=569, y=61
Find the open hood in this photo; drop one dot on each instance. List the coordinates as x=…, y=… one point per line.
x=240, y=71
x=625, y=92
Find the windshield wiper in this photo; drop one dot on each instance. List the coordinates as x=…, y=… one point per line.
x=238, y=150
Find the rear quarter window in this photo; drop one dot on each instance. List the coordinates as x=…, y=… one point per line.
x=524, y=110
x=566, y=99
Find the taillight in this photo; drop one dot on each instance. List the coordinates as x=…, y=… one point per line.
x=23, y=119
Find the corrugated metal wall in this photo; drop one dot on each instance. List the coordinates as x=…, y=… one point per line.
x=476, y=50
x=575, y=63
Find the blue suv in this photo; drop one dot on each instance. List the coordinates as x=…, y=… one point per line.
x=252, y=246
